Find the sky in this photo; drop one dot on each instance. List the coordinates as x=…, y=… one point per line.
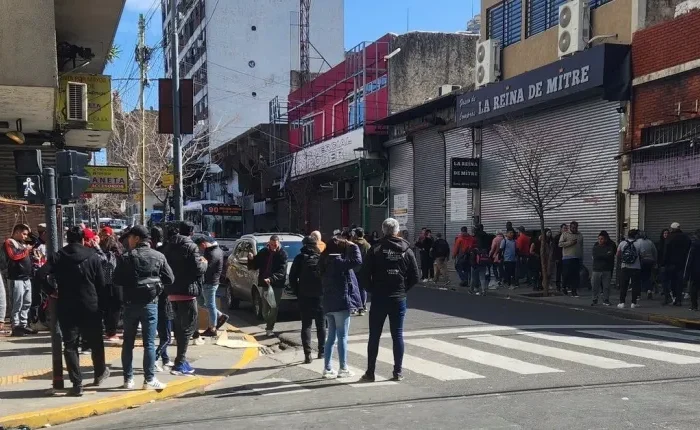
x=365, y=20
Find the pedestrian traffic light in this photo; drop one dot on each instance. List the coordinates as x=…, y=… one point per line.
x=72, y=177
x=28, y=177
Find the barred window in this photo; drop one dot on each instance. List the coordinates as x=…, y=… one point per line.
x=544, y=14
x=505, y=22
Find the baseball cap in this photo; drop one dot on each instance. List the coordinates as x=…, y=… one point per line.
x=41, y=227
x=107, y=230
x=675, y=226
x=337, y=232
x=88, y=234
x=139, y=231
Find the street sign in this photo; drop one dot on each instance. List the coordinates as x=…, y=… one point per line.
x=167, y=180
x=108, y=179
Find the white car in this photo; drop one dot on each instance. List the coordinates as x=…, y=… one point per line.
x=243, y=281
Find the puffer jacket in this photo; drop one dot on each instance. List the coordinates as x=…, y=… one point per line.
x=340, y=287
x=187, y=264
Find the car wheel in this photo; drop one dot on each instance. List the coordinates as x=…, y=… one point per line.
x=257, y=304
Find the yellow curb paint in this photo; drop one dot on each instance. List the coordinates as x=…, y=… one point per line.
x=66, y=414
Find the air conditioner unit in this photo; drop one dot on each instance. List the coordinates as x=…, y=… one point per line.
x=488, y=62
x=446, y=89
x=77, y=101
x=574, y=27
x=342, y=191
x=376, y=196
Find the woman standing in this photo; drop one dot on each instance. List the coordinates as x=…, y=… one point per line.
x=603, y=264
x=341, y=296
x=111, y=250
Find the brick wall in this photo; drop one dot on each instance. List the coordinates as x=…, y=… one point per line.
x=13, y=212
x=667, y=44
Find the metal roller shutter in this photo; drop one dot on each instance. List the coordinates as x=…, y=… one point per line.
x=375, y=215
x=459, y=144
x=329, y=210
x=8, y=185
x=401, y=180
x=354, y=213
x=429, y=185
x=662, y=209
x=596, y=121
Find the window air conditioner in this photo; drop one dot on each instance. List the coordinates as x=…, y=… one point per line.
x=376, y=196
x=574, y=27
x=488, y=62
x=77, y=101
x=342, y=191
x=446, y=89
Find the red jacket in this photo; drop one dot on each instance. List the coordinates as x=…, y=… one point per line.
x=523, y=244
x=463, y=243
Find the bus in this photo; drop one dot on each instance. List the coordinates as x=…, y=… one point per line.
x=217, y=219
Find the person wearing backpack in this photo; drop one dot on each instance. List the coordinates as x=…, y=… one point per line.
x=460, y=253
x=305, y=282
x=629, y=252
x=142, y=273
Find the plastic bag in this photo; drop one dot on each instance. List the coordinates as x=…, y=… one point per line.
x=269, y=297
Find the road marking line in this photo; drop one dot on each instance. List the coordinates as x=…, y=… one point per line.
x=431, y=369
x=672, y=335
x=645, y=340
x=559, y=353
x=482, y=357
x=353, y=381
x=605, y=345
x=281, y=387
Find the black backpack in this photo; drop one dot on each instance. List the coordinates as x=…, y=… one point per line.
x=146, y=289
x=629, y=253
x=310, y=276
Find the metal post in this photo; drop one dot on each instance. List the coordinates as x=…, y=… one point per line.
x=141, y=58
x=51, y=248
x=177, y=150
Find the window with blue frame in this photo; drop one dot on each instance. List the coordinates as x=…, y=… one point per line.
x=505, y=22
x=544, y=14
x=356, y=114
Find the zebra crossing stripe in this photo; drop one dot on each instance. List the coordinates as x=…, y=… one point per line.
x=604, y=345
x=558, y=353
x=353, y=381
x=482, y=357
x=663, y=343
x=668, y=334
x=273, y=387
x=431, y=369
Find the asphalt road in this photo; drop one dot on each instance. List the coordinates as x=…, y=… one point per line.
x=471, y=362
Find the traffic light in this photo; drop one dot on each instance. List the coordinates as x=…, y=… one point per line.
x=72, y=178
x=29, y=175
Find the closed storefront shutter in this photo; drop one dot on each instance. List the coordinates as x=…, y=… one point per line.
x=401, y=180
x=429, y=185
x=662, y=209
x=354, y=213
x=329, y=210
x=590, y=125
x=8, y=184
x=459, y=144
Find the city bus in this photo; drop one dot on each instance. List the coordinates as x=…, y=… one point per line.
x=220, y=220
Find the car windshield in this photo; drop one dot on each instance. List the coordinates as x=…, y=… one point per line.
x=291, y=248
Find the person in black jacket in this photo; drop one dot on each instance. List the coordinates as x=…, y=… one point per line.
x=604, y=251
x=82, y=294
x=425, y=244
x=390, y=271
x=215, y=265
x=305, y=281
x=675, y=256
x=271, y=264
x=142, y=273
x=189, y=267
x=692, y=271
x=441, y=254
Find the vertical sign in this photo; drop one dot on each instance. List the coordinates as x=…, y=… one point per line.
x=400, y=210
x=464, y=173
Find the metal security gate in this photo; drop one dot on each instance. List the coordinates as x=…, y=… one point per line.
x=458, y=201
x=591, y=125
x=429, y=183
x=662, y=209
x=401, y=181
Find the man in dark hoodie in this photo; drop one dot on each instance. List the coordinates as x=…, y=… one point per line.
x=390, y=270
x=189, y=267
x=215, y=265
x=271, y=264
x=675, y=256
x=82, y=295
x=359, y=240
x=305, y=281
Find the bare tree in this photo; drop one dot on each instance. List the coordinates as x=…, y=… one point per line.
x=542, y=174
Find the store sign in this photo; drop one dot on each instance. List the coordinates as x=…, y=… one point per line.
x=464, y=173
x=108, y=179
x=221, y=209
x=580, y=72
x=400, y=210
x=330, y=153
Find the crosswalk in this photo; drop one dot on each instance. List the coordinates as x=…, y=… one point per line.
x=482, y=357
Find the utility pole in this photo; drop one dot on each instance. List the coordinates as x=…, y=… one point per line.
x=142, y=58
x=177, y=150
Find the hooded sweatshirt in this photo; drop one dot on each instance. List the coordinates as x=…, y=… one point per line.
x=80, y=279
x=391, y=269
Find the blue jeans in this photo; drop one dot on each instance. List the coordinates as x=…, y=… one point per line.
x=383, y=307
x=147, y=315
x=479, y=277
x=208, y=300
x=338, y=325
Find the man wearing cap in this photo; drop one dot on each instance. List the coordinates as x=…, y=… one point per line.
x=142, y=273
x=676, y=250
x=215, y=266
x=105, y=232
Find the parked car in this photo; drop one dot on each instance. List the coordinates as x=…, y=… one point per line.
x=243, y=281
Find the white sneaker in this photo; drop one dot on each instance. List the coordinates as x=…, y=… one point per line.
x=129, y=384
x=634, y=305
x=199, y=341
x=270, y=333
x=345, y=373
x=154, y=384
x=621, y=306
x=158, y=367
x=330, y=374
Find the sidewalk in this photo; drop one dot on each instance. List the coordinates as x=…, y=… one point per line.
x=26, y=397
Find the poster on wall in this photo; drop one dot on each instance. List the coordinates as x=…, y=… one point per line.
x=464, y=172
x=400, y=210
x=459, y=204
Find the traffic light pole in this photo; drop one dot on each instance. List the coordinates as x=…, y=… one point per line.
x=141, y=58
x=52, y=247
x=177, y=150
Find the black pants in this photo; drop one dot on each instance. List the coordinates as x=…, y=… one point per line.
x=311, y=311
x=627, y=276
x=184, y=325
x=426, y=265
x=509, y=276
x=694, y=286
x=559, y=265
x=571, y=274
x=114, y=311
x=88, y=325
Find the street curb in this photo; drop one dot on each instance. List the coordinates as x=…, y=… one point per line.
x=66, y=414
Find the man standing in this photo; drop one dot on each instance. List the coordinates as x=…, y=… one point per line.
x=271, y=264
x=676, y=250
x=441, y=253
x=558, y=256
x=319, y=243
x=464, y=243
x=390, y=270
x=571, y=244
x=142, y=273
x=359, y=240
x=215, y=265
x=523, y=267
x=480, y=261
x=629, y=252
x=189, y=267
x=81, y=298
x=19, y=273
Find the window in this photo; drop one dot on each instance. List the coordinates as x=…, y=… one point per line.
x=307, y=132
x=542, y=14
x=595, y=3
x=505, y=22
x=356, y=114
